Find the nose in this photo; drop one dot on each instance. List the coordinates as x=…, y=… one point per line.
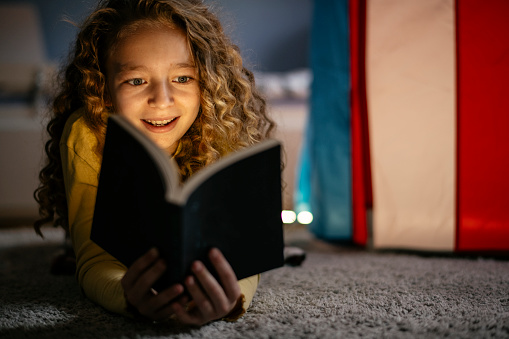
x=161, y=95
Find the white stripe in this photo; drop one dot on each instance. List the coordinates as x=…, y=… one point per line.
x=410, y=68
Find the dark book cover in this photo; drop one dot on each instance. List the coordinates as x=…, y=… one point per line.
x=234, y=205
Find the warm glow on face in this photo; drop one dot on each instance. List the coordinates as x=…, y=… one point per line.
x=153, y=83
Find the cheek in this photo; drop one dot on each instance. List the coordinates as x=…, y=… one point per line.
x=196, y=112
x=196, y=103
x=124, y=104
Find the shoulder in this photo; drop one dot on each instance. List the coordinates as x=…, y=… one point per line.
x=79, y=139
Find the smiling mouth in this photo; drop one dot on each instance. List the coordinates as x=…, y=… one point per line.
x=158, y=123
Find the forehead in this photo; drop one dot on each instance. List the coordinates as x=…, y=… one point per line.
x=148, y=43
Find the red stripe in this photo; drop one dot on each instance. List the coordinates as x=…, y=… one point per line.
x=361, y=174
x=483, y=119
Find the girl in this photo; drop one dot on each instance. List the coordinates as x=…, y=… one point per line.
x=167, y=66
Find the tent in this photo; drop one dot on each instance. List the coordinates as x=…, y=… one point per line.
x=406, y=145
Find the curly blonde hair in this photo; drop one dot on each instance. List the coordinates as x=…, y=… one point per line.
x=232, y=113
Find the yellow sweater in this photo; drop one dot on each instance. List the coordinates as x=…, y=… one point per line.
x=98, y=273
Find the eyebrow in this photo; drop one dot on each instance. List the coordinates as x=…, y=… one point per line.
x=126, y=67
x=185, y=65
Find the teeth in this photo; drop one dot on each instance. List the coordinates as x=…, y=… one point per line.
x=159, y=123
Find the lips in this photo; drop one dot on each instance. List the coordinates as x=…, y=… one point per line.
x=159, y=123
x=160, y=126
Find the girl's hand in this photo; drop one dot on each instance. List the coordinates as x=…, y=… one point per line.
x=138, y=282
x=211, y=300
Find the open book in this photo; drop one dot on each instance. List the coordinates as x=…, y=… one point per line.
x=233, y=204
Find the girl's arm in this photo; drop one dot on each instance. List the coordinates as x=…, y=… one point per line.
x=98, y=273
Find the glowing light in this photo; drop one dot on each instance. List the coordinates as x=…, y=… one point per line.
x=305, y=217
x=288, y=217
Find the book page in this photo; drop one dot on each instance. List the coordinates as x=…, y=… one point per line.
x=196, y=180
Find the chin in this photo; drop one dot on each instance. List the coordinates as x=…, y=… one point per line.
x=167, y=148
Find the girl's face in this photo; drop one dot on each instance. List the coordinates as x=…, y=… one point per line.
x=152, y=81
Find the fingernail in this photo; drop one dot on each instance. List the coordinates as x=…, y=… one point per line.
x=154, y=252
x=197, y=266
x=214, y=252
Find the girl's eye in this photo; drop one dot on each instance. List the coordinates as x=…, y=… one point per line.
x=182, y=79
x=136, y=82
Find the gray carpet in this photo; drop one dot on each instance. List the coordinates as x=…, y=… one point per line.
x=337, y=293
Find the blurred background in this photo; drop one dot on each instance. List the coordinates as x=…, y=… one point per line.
x=272, y=34
x=393, y=113
x=35, y=36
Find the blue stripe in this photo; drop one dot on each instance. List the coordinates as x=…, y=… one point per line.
x=325, y=183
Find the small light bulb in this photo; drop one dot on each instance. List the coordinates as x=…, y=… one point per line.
x=305, y=217
x=288, y=217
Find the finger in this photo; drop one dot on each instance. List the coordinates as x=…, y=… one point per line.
x=161, y=304
x=186, y=317
x=190, y=315
x=226, y=274
x=143, y=285
x=157, y=306
x=140, y=292
x=167, y=296
x=213, y=290
x=150, y=303
x=201, y=299
x=138, y=267
x=183, y=302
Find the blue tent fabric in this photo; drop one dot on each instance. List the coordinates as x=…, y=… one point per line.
x=324, y=184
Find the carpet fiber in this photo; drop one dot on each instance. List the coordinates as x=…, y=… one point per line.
x=337, y=292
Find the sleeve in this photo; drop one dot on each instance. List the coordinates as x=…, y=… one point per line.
x=248, y=288
x=98, y=273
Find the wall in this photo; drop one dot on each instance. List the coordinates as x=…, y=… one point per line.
x=273, y=34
